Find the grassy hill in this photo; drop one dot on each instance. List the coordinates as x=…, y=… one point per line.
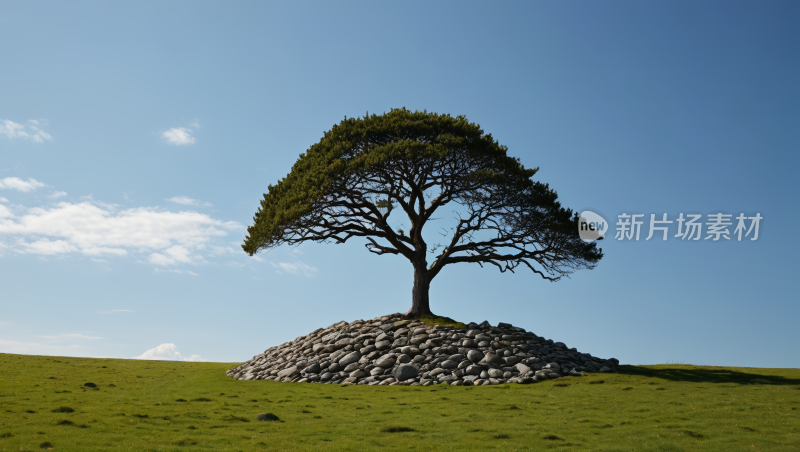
x=181, y=406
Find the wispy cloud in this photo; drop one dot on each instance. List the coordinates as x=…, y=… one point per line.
x=32, y=132
x=187, y=201
x=178, y=136
x=15, y=183
x=3, y=199
x=57, y=194
x=116, y=310
x=167, y=352
x=95, y=229
x=294, y=268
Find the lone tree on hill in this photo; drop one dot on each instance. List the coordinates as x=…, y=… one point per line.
x=363, y=170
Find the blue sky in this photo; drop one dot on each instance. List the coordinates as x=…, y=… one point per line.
x=136, y=141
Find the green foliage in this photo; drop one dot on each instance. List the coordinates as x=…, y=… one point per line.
x=431, y=320
x=348, y=183
x=671, y=407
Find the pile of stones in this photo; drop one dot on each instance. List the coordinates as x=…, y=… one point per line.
x=391, y=350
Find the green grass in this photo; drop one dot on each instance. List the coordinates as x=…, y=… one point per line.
x=180, y=406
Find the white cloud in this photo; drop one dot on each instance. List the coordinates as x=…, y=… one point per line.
x=15, y=183
x=295, y=268
x=46, y=247
x=168, y=352
x=57, y=194
x=115, y=310
x=178, y=136
x=3, y=199
x=13, y=130
x=187, y=201
x=168, y=238
x=172, y=255
x=195, y=123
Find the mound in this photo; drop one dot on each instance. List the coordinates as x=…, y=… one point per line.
x=390, y=350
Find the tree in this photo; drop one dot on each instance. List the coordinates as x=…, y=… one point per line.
x=417, y=163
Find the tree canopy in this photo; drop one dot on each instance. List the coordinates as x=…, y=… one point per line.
x=415, y=163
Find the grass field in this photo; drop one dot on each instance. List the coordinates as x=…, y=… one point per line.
x=182, y=406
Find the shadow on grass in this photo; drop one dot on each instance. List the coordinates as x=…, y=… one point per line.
x=707, y=375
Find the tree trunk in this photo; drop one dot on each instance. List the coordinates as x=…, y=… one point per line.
x=420, y=304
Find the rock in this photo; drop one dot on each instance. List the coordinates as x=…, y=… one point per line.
x=469, y=343
x=404, y=372
x=312, y=369
x=484, y=325
x=447, y=364
x=326, y=376
x=409, y=350
x=506, y=375
x=474, y=370
x=512, y=360
x=402, y=359
x=386, y=361
x=554, y=366
x=495, y=373
x=522, y=368
x=418, y=339
x=484, y=374
x=382, y=337
x=335, y=367
x=399, y=324
x=376, y=371
x=288, y=372
x=436, y=372
x=605, y=369
x=457, y=358
x=350, y=358
x=358, y=374
x=382, y=345
x=503, y=325
x=267, y=417
x=475, y=356
x=351, y=367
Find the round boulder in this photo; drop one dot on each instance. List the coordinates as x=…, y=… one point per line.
x=404, y=372
x=350, y=358
x=475, y=356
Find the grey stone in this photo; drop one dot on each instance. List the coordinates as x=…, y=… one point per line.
x=312, y=369
x=474, y=370
x=605, y=369
x=399, y=324
x=506, y=375
x=335, y=367
x=470, y=378
x=554, y=366
x=350, y=358
x=410, y=351
x=469, y=343
x=504, y=325
x=351, y=367
x=386, y=361
x=447, y=364
x=383, y=345
x=418, y=339
x=522, y=368
x=485, y=374
x=475, y=356
x=495, y=373
x=436, y=372
x=326, y=376
x=511, y=360
x=358, y=374
x=457, y=358
x=382, y=337
x=404, y=372
x=288, y=371
x=376, y=371
x=402, y=359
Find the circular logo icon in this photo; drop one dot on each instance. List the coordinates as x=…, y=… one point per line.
x=591, y=226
